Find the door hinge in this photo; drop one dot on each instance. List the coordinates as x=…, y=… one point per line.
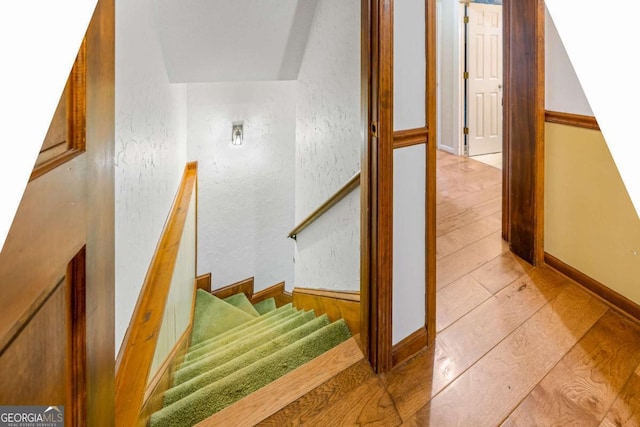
x=465, y=75
x=374, y=129
x=465, y=131
x=466, y=19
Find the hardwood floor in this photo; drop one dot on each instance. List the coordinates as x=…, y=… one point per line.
x=516, y=345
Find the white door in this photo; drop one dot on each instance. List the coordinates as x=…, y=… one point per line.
x=484, y=64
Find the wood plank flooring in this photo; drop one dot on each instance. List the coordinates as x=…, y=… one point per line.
x=516, y=345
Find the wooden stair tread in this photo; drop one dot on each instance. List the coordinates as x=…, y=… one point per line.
x=285, y=390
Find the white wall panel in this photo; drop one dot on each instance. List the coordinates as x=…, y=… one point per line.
x=409, y=64
x=409, y=244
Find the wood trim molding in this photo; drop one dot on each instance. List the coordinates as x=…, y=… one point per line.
x=538, y=121
x=620, y=302
x=409, y=346
x=367, y=173
x=381, y=239
x=261, y=404
x=523, y=128
x=329, y=293
x=342, y=192
x=204, y=282
x=139, y=345
x=277, y=292
x=335, y=304
x=245, y=286
x=569, y=119
x=409, y=137
x=506, y=152
x=76, y=285
x=431, y=179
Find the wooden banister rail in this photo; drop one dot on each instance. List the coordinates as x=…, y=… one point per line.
x=347, y=188
x=139, y=345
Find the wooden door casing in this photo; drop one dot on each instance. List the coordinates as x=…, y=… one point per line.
x=523, y=128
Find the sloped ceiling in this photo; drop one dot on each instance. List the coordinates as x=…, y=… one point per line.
x=233, y=40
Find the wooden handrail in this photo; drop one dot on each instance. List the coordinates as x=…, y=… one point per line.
x=138, y=348
x=347, y=188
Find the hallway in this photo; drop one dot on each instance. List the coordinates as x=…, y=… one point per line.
x=516, y=345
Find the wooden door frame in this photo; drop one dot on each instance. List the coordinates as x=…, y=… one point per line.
x=523, y=129
x=376, y=177
x=523, y=164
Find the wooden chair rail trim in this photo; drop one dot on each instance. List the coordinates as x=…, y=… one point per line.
x=347, y=188
x=409, y=137
x=139, y=345
x=619, y=302
x=329, y=293
x=569, y=119
x=409, y=346
x=287, y=389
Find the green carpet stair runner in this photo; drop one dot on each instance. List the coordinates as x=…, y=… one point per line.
x=239, y=330
x=237, y=348
x=218, y=344
x=240, y=301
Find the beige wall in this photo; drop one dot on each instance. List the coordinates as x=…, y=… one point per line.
x=590, y=222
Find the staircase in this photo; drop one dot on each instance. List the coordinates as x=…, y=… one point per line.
x=237, y=348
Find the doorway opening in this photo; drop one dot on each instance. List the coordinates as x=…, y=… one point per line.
x=483, y=82
x=469, y=243
x=469, y=79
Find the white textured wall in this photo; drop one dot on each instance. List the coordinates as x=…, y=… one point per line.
x=246, y=193
x=409, y=61
x=563, y=91
x=328, y=251
x=409, y=250
x=150, y=150
x=177, y=312
x=328, y=141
